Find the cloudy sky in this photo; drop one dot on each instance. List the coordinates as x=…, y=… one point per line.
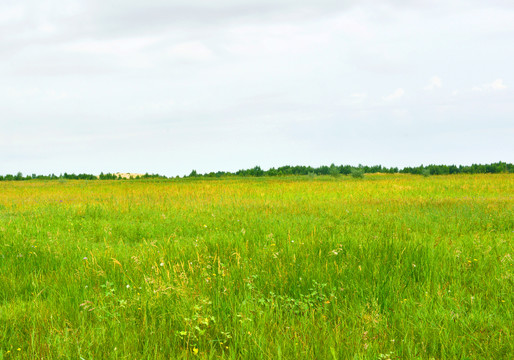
x=166, y=86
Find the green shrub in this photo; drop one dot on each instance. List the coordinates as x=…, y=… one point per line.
x=357, y=173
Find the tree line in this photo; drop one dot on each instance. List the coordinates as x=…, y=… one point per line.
x=335, y=170
x=257, y=171
x=66, y=176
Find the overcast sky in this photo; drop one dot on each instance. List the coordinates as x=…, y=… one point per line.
x=165, y=86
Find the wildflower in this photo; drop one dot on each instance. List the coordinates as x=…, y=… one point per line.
x=84, y=258
x=195, y=351
x=161, y=264
x=128, y=286
x=19, y=349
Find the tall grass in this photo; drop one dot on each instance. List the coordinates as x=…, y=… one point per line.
x=390, y=266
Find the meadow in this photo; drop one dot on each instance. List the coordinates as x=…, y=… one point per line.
x=386, y=267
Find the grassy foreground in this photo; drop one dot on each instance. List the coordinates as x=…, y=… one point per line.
x=388, y=267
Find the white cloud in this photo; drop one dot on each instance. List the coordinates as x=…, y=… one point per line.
x=192, y=51
x=33, y=94
x=400, y=112
x=435, y=82
x=124, y=46
x=359, y=97
x=398, y=93
x=493, y=86
x=496, y=85
x=12, y=14
x=157, y=105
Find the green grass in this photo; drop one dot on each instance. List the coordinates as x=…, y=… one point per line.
x=385, y=267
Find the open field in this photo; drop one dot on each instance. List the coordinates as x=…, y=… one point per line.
x=390, y=266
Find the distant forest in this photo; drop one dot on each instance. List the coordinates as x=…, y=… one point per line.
x=333, y=170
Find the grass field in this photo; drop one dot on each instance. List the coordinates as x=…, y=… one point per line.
x=386, y=267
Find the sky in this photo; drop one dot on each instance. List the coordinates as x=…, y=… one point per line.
x=163, y=86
